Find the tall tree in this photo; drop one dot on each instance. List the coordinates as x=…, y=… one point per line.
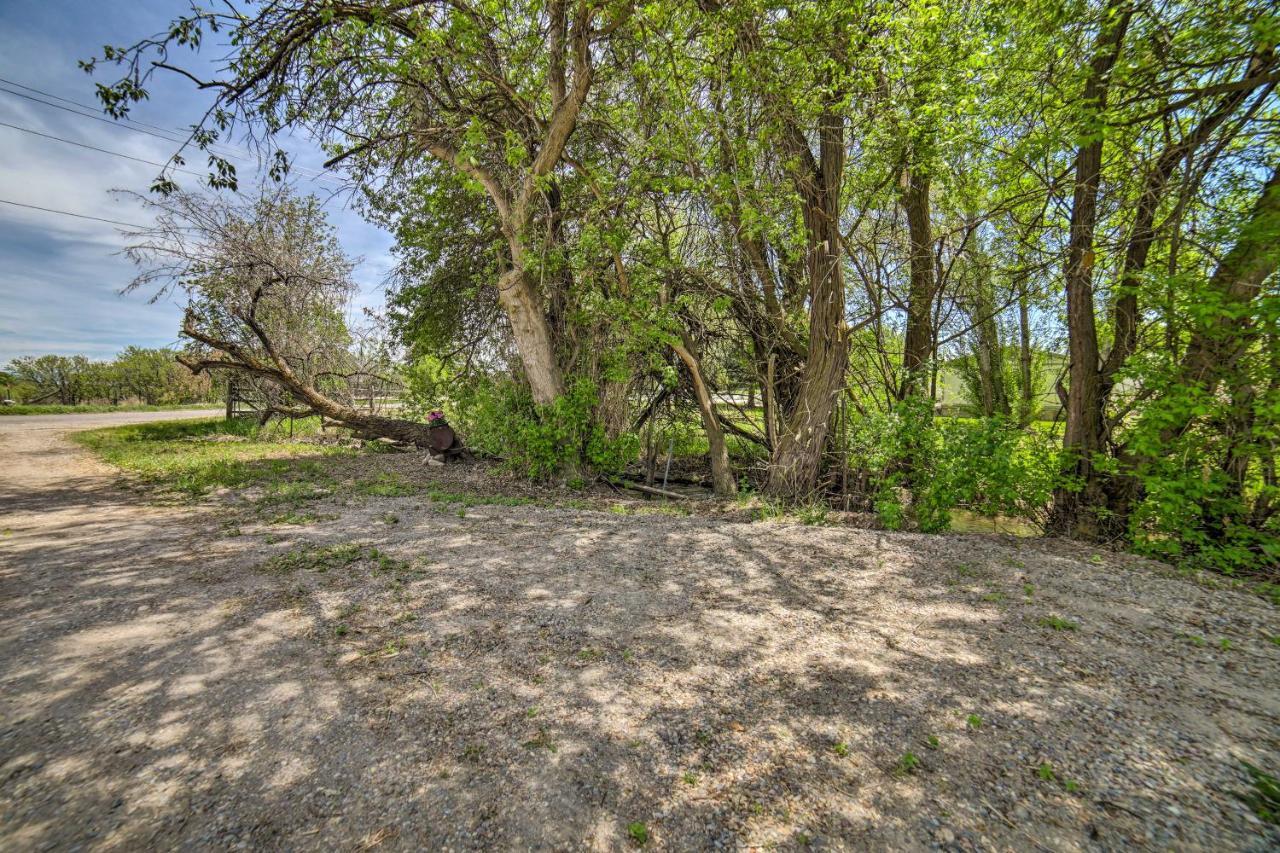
x=494, y=98
x=1195, y=101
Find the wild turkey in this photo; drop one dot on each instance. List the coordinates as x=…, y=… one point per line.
x=445, y=445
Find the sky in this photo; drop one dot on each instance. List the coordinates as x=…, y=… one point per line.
x=60, y=276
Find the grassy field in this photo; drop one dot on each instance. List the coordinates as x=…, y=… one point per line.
x=56, y=409
x=194, y=457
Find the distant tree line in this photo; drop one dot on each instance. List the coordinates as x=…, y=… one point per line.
x=137, y=375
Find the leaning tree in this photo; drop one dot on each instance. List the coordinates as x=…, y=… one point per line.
x=267, y=287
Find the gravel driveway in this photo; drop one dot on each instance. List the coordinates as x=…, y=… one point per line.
x=413, y=675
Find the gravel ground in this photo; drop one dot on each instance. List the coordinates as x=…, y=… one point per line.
x=415, y=675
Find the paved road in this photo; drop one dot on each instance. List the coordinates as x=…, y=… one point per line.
x=66, y=423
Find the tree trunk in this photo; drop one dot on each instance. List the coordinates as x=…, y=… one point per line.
x=276, y=369
x=1075, y=505
x=770, y=402
x=797, y=454
x=1212, y=358
x=917, y=347
x=1216, y=347
x=1144, y=230
x=797, y=457
x=612, y=410
x=722, y=481
x=988, y=352
x=368, y=425
x=1026, y=391
x=532, y=335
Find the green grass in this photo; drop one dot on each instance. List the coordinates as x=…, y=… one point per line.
x=1264, y=799
x=315, y=558
x=908, y=763
x=194, y=457
x=88, y=409
x=395, y=486
x=639, y=832
x=465, y=499
x=814, y=514
x=386, y=486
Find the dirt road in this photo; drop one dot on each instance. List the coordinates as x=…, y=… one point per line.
x=127, y=697
x=409, y=675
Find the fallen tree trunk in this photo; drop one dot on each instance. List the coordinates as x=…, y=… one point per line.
x=273, y=367
x=336, y=414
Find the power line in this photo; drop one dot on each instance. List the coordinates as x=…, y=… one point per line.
x=228, y=150
x=55, y=97
x=91, y=108
x=232, y=150
x=95, y=148
x=129, y=125
x=102, y=119
x=69, y=213
x=126, y=120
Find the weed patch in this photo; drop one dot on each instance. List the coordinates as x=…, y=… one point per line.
x=314, y=558
x=1264, y=799
x=386, y=486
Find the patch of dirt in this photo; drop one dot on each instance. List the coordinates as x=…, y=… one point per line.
x=411, y=674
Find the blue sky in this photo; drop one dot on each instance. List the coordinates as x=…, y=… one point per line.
x=59, y=276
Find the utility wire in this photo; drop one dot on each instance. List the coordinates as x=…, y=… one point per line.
x=69, y=213
x=128, y=125
x=234, y=151
x=95, y=148
x=84, y=106
x=102, y=119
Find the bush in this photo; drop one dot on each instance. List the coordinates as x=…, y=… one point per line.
x=1192, y=513
x=499, y=417
x=987, y=465
x=993, y=468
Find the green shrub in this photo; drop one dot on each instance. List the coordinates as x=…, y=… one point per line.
x=499, y=417
x=1264, y=799
x=1194, y=514
x=988, y=466
x=1202, y=455
x=993, y=468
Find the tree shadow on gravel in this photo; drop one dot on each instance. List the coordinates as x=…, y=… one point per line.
x=520, y=677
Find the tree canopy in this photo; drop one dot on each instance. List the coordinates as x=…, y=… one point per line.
x=833, y=209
